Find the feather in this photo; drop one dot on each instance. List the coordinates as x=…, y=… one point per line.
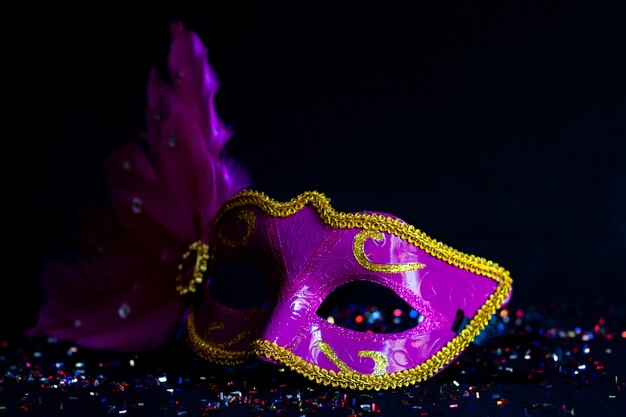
x=119, y=292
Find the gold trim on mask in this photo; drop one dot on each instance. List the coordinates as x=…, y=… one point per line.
x=353, y=380
x=358, y=249
x=197, y=278
x=365, y=221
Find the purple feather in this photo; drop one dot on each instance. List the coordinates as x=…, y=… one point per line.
x=120, y=292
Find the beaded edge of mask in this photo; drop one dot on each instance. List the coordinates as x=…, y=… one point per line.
x=376, y=222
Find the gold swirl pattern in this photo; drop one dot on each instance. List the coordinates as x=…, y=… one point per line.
x=380, y=360
x=211, y=351
x=361, y=257
x=218, y=325
x=249, y=218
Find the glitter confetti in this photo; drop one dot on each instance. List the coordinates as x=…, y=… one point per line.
x=534, y=365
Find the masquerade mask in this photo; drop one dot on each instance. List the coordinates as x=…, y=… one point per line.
x=306, y=250
x=129, y=289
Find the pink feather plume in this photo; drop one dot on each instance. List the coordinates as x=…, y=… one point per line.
x=119, y=293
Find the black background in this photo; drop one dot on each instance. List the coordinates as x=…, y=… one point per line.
x=497, y=128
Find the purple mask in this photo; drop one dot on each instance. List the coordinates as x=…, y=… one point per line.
x=124, y=294
x=306, y=250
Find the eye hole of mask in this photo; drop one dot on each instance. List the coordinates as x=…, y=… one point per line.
x=238, y=284
x=365, y=306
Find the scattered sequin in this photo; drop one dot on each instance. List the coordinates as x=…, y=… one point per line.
x=137, y=205
x=124, y=311
x=562, y=374
x=171, y=140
